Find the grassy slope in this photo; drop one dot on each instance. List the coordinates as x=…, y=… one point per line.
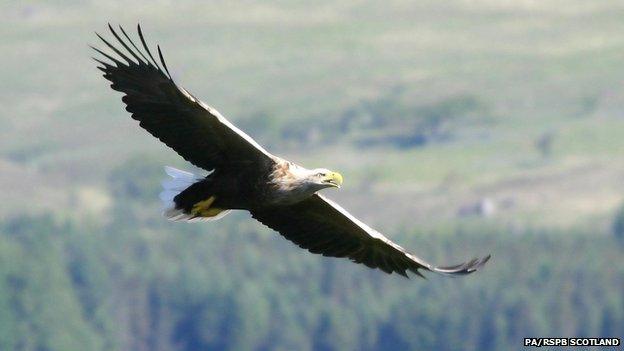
x=538, y=66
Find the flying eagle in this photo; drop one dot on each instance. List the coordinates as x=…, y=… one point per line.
x=243, y=175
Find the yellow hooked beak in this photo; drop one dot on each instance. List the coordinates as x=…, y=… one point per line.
x=334, y=179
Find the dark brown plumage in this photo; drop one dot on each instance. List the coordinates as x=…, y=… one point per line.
x=244, y=176
x=323, y=227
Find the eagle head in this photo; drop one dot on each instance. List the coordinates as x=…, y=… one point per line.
x=293, y=183
x=324, y=178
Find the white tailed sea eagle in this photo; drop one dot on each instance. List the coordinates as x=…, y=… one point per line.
x=244, y=176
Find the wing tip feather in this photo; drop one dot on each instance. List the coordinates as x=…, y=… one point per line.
x=463, y=269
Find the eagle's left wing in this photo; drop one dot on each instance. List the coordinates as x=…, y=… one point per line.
x=196, y=131
x=323, y=227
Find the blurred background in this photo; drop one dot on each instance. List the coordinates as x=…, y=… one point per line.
x=461, y=127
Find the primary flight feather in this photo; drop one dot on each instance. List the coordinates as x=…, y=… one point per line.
x=243, y=175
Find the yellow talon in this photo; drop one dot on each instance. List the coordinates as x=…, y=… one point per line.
x=203, y=209
x=202, y=206
x=211, y=212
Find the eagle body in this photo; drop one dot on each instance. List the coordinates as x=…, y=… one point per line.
x=261, y=187
x=242, y=174
x=238, y=188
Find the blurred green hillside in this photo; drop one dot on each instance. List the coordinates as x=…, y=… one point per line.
x=461, y=127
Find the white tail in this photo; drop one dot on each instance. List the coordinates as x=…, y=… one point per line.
x=172, y=187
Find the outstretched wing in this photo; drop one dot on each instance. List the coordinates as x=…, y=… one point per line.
x=196, y=131
x=323, y=227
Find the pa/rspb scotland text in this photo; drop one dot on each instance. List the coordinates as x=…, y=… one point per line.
x=548, y=342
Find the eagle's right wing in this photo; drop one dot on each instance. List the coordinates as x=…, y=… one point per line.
x=323, y=227
x=196, y=131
